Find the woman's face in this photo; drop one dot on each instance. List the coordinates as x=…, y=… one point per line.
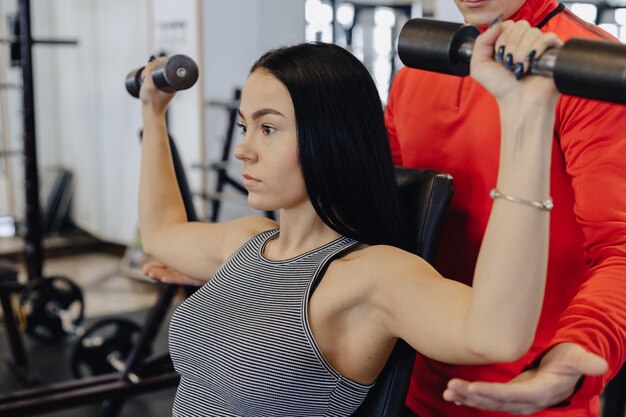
x=483, y=12
x=269, y=149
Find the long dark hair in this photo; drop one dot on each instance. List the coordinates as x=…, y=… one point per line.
x=342, y=141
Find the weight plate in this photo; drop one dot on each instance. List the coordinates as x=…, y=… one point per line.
x=104, y=347
x=53, y=308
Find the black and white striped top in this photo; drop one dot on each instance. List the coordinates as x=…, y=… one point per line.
x=243, y=346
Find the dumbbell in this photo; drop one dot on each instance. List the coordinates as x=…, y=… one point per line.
x=581, y=67
x=178, y=72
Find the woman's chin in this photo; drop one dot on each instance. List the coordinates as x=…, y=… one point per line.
x=261, y=205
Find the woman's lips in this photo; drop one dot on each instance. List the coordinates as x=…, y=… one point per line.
x=475, y=3
x=249, y=180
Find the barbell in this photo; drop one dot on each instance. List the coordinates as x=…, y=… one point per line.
x=178, y=72
x=581, y=67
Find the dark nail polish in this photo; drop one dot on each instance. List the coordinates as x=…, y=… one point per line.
x=519, y=71
x=152, y=58
x=500, y=56
x=508, y=62
x=496, y=20
x=531, y=55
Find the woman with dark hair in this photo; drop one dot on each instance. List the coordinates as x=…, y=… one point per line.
x=340, y=131
x=299, y=318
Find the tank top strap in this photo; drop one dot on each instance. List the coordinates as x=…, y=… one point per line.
x=331, y=251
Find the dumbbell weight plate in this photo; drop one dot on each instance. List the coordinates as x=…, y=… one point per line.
x=53, y=307
x=104, y=347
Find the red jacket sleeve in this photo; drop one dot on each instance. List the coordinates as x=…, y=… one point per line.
x=396, y=153
x=592, y=136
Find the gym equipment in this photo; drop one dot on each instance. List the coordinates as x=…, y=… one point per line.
x=104, y=348
x=53, y=308
x=141, y=373
x=21, y=46
x=15, y=41
x=18, y=361
x=178, y=72
x=56, y=214
x=582, y=67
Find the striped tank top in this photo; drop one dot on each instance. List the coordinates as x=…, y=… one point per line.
x=243, y=346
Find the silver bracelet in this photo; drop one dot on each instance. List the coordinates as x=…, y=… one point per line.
x=545, y=205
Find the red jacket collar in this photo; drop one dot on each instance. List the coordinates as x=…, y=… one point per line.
x=534, y=11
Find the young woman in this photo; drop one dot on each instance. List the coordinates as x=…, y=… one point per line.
x=299, y=318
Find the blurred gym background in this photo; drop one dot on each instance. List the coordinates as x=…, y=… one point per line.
x=87, y=138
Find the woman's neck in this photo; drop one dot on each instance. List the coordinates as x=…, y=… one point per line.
x=301, y=230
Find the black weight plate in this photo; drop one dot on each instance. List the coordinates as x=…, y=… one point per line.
x=42, y=303
x=107, y=340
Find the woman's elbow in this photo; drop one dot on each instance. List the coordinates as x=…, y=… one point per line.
x=501, y=349
x=149, y=242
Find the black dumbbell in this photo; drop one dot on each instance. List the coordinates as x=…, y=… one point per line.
x=178, y=72
x=582, y=67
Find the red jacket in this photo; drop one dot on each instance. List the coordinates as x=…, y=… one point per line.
x=451, y=124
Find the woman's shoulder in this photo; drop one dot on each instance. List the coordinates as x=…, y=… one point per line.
x=254, y=224
x=384, y=261
x=243, y=229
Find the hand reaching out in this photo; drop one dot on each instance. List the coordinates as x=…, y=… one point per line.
x=159, y=272
x=551, y=383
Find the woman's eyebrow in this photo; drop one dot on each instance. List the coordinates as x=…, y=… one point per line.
x=260, y=113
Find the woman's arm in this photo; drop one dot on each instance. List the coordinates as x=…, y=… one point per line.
x=193, y=248
x=495, y=320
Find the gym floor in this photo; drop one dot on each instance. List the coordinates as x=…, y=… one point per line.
x=107, y=293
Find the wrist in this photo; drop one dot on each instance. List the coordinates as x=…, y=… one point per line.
x=150, y=112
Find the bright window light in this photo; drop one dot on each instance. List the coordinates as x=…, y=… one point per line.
x=384, y=17
x=318, y=13
x=382, y=40
x=611, y=28
x=587, y=12
x=345, y=14
x=620, y=16
x=382, y=74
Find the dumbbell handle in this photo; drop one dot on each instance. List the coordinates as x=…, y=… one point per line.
x=178, y=72
x=544, y=65
x=581, y=67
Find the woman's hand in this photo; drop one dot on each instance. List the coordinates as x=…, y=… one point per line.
x=533, y=390
x=514, y=45
x=159, y=272
x=151, y=97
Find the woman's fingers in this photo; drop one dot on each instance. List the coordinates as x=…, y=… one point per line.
x=520, y=44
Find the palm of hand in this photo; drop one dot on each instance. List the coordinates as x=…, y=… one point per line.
x=551, y=383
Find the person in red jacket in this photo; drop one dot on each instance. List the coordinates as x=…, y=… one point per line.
x=450, y=124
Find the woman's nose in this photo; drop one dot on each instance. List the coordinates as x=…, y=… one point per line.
x=244, y=152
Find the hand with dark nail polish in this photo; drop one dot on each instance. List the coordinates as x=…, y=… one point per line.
x=508, y=62
x=500, y=55
x=519, y=71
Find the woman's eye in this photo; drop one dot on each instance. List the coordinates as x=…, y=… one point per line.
x=268, y=130
x=243, y=129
